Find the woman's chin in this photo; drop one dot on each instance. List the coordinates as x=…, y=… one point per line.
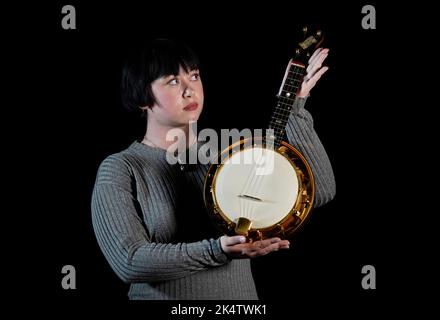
x=193, y=117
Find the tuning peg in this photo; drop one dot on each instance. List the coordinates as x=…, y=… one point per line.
x=318, y=33
x=305, y=30
x=297, y=51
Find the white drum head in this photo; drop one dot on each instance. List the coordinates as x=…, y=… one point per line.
x=258, y=184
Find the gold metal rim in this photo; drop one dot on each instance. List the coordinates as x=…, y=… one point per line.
x=292, y=221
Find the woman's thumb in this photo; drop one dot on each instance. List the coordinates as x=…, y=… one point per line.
x=230, y=241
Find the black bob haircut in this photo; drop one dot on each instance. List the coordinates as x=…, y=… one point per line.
x=160, y=57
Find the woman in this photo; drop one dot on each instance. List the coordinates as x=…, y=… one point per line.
x=148, y=214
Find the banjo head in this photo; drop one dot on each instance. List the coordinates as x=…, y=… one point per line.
x=259, y=192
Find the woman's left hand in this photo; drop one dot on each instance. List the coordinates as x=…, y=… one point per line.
x=314, y=71
x=236, y=247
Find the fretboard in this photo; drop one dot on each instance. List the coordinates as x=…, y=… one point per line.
x=286, y=97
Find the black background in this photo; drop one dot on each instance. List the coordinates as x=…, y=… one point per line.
x=244, y=50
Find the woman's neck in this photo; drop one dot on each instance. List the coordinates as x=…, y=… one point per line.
x=170, y=138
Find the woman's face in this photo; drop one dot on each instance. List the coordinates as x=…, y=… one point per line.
x=179, y=99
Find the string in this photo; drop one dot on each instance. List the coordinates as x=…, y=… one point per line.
x=254, y=182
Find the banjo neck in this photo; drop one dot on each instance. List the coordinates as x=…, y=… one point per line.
x=292, y=80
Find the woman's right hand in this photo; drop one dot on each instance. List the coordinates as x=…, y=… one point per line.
x=236, y=247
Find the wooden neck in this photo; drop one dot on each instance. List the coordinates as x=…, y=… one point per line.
x=286, y=97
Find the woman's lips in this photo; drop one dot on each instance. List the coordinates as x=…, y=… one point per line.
x=191, y=106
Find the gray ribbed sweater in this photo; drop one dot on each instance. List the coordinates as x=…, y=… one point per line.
x=152, y=227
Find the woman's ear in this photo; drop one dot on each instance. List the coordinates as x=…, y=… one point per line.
x=144, y=111
x=145, y=108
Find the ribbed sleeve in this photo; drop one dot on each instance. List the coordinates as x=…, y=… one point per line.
x=302, y=136
x=124, y=240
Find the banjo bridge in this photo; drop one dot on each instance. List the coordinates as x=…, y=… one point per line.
x=245, y=196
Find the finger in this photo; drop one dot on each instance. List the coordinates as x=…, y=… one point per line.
x=264, y=243
x=311, y=68
x=262, y=252
x=270, y=243
x=250, y=252
x=231, y=241
x=312, y=58
x=312, y=81
x=320, y=60
x=285, y=245
x=317, y=61
x=316, y=54
x=267, y=242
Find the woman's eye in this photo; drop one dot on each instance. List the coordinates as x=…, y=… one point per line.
x=173, y=81
x=195, y=76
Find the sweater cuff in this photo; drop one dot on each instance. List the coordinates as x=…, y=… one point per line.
x=218, y=252
x=298, y=105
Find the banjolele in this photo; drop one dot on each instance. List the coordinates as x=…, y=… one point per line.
x=263, y=187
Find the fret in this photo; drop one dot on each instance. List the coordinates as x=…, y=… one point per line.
x=277, y=125
x=288, y=87
x=284, y=108
x=286, y=97
x=296, y=71
x=292, y=85
x=278, y=128
x=281, y=117
x=282, y=114
x=277, y=132
x=288, y=94
x=296, y=67
x=296, y=79
x=280, y=124
x=286, y=100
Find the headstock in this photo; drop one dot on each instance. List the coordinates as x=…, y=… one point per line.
x=312, y=39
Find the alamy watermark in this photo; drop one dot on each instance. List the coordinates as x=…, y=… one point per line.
x=69, y=280
x=369, y=19
x=69, y=19
x=210, y=143
x=369, y=278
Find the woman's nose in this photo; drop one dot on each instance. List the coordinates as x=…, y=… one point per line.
x=188, y=91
